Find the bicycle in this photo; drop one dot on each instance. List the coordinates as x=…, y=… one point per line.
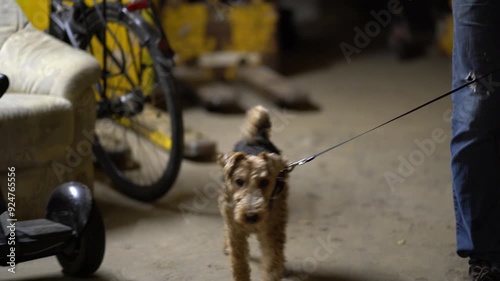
x=136, y=60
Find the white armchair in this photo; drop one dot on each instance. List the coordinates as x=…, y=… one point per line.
x=47, y=115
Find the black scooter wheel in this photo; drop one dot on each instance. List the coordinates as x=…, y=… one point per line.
x=84, y=255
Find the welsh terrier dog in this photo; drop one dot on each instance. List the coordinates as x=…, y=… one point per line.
x=254, y=199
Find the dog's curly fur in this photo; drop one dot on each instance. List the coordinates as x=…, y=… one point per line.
x=254, y=199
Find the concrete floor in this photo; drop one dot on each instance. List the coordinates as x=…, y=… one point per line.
x=347, y=223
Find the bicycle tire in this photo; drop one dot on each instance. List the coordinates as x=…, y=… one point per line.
x=149, y=37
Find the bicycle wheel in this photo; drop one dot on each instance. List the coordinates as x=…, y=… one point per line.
x=84, y=256
x=139, y=82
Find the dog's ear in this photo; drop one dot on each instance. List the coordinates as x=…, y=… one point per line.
x=221, y=159
x=230, y=160
x=275, y=161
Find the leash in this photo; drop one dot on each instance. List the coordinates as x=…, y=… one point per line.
x=291, y=166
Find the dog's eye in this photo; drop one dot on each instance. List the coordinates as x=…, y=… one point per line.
x=263, y=183
x=239, y=182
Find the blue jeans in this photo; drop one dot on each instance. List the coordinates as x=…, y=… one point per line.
x=475, y=143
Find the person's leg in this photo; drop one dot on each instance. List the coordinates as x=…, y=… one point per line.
x=476, y=130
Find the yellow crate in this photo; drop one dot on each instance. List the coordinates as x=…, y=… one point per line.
x=252, y=28
x=186, y=29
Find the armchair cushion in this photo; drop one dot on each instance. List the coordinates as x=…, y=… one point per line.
x=12, y=19
x=38, y=63
x=36, y=128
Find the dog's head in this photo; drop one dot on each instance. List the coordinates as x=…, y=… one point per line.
x=249, y=183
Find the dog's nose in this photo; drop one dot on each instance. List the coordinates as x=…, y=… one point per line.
x=251, y=217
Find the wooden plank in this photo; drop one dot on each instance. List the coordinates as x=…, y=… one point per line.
x=275, y=86
x=219, y=97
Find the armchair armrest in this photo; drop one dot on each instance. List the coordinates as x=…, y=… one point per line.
x=38, y=63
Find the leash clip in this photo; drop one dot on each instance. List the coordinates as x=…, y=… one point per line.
x=292, y=165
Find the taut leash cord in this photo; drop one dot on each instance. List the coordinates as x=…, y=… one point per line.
x=308, y=159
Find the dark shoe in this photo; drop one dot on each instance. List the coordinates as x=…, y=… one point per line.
x=481, y=272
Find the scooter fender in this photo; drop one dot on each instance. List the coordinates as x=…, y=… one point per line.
x=70, y=204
